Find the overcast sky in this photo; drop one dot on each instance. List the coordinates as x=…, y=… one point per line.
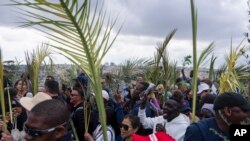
x=147, y=22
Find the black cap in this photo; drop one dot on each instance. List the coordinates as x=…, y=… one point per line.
x=231, y=99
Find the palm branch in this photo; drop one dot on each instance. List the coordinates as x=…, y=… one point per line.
x=204, y=54
x=230, y=78
x=160, y=69
x=2, y=93
x=195, y=69
x=169, y=70
x=34, y=61
x=50, y=67
x=130, y=68
x=211, y=73
x=186, y=60
x=81, y=36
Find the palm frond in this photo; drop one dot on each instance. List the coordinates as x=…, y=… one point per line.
x=204, y=54
x=83, y=35
x=187, y=60
x=161, y=64
x=2, y=93
x=195, y=68
x=230, y=78
x=211, y=68
x=34, y=61
x=50, y=66
x=130, y=68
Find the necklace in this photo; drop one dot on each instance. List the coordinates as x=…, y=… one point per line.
x=219, y=134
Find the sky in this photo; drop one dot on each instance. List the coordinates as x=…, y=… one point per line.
x=146, y=23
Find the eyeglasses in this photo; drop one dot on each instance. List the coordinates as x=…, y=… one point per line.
x=34, y=133
x=124, y=126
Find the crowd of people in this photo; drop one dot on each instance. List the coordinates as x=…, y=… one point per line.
x=142, y=111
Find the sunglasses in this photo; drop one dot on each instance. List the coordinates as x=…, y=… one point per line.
x=34, y=133
x=124, y=126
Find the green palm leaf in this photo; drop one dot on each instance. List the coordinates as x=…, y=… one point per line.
x=2, y=93
x=230, y=79
x=161, y=60
x=34, y=61
x=204, y=54
x=211, y=68
x=130, y=68
x=82, y=36
x=195, y=68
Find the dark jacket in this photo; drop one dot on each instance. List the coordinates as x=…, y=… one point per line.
x=205, y=130
x=77, y=116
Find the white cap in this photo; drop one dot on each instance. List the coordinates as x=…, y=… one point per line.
x=28, y=103
x=105, y=94
x=202, y=87
x=209, y=107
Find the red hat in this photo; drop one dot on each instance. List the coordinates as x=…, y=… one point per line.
x=158, y=136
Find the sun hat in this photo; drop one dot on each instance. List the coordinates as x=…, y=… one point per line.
x=28, y=103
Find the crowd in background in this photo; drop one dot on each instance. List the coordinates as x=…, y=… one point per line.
x=139, y=110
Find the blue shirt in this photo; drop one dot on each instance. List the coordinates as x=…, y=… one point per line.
x=205, y=130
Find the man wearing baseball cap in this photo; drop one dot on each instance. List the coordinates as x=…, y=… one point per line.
x=230, y=108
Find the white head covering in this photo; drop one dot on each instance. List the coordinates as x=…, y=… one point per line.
x=202, y=87
x=105, y=94
x=209, y=107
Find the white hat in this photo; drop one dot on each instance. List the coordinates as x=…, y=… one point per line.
x=28, y=103
x=105, y=94
x=209, y=107
x=202, y=87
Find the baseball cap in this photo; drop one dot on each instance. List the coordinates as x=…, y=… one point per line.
x=231, y=99
x=202, y=87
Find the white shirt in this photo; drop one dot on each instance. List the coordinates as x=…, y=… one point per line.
x=175, y=128
x=98, y=135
